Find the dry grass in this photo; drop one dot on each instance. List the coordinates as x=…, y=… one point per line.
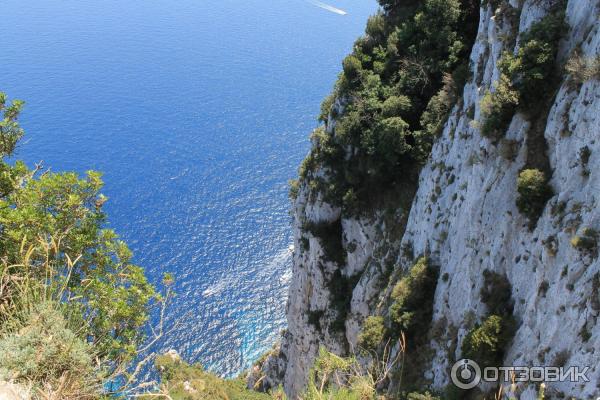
x=27, y=288
x=582, y=69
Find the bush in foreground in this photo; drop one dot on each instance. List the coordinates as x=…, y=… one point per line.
x=42, y=348
x=182, y=381
x=69, y=293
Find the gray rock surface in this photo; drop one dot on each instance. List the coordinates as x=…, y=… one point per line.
x=474, y=225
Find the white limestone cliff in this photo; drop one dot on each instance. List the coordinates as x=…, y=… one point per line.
x=474, y=225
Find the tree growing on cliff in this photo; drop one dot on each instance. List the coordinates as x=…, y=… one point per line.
x=391, y=99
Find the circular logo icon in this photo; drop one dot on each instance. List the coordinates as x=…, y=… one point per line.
x=465, y=374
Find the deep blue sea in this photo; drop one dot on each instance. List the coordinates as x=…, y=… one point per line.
x=198, y=112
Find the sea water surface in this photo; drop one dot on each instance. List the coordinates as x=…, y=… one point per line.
x=198, y=112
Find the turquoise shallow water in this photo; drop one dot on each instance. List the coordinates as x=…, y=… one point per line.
x=198, y=113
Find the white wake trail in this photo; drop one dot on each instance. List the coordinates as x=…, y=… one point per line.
x=328, y=7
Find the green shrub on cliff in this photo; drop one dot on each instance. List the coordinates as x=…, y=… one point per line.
x=412, y=299
x=534, y=192
x=438, y=108
x=421, y=396
x=485, y=343
x=60, y=216
x=372, y=334
x=352, y=68
x=533, y=66
x=581, y=68
x=395, y=106
x=344, y=378
x=498, y=108
x=393, y=99
x=525, y=76
x=338, y=378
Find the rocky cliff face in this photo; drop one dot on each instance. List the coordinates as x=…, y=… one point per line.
x=463, y=216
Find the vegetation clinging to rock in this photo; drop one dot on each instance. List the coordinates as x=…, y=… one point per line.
x=344, y=378
x=587, y=240
x=412, y=299
x=485, y=343
x=534, y=191
x=581, y=69
x=498, y=108
x=393, y=99
x=372, y=334
x=524, y=76
x=534, y=66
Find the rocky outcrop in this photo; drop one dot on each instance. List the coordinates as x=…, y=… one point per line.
x=11, y=391
x=464, y=217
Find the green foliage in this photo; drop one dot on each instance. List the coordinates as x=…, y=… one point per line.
x=389, y=140
x=112, y=294
x=389, y=118
x=323, y=152
x=412, y=299
x=498, y=108
x=56, y=250
x=525, y=77
x=10, y=131
x=485, y=343
x=326, y=108
x=372, y=334
x=352, y=68
x=395, y=5
x=435, y=36
x=343, y=378
x=439, y=107
x=376, y=27
x=182, y=381
x=395, y=106
x=534, y=192
x=534, y=64
x=40, y=346
x=294, y=185
x=338, y=378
